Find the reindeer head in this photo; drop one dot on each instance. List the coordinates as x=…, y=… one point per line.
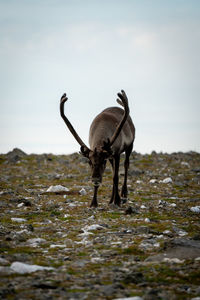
x=97, y=160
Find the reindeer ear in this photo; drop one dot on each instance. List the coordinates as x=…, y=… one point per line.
x=85, y=151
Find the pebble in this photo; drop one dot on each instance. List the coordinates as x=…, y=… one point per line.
x=3, y=261
x=36, y=242
x=167, y=180
x=23, y=268
x=96, y=260
x=147, y=220
x=66, y=215
x=130, y=298
x=149, y=245
x=57, y=246
x=91, y=217
x=18, y=220
x=184, y=163
x=195, y=209
x=93, y=227
x=72, y=205
x=139, y=181
x=153, y=181
x=82, y=192
x=57, y=189
x=173, y=260
x=143, y=206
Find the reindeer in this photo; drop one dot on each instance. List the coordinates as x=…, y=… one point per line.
x=111, y=133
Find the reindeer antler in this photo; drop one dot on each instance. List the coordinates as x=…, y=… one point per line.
x=123, y=101
x=69, y=125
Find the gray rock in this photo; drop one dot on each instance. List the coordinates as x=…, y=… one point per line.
x=131, y=210
x=179, y=248
x=142, y=230
x=15, y=155
x=133, y=277
x=135, y=171
x=186, y=243
x=108, y=290
x=3, y=261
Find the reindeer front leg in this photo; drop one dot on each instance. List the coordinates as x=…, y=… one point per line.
x=124, y=191
x=94, y=202
x=115, y=193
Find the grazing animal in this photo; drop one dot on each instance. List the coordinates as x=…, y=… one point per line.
x=111, y=133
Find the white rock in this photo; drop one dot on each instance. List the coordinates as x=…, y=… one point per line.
x=162, y=203
x=116, y=243
x=182, y=233
x=72, y=205
x=130, y=298
x=96, y=259
x=156, y=245
x=20, y=205
x=19, y=220
x=167, y=232
x=138, y=181
x=66, y=215
x=153, y=181
x=23, y=268
x=22, y=231
x=149, y=245
x=160, y=236
x=57, y=246
x=36, y=242
x=184, y=163
x=143, y=206
x=93, y=227
x=57, y=189
x=173, y=260
x=172, y=204
x=147, y=220
x=88, y=228
x=85, y=233
x=167, y=180
x=84, y=242
x=82, y=192
x=197, y=258
x=195, y=209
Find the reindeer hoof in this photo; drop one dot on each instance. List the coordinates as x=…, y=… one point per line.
x=124, y=200
x=93, y=205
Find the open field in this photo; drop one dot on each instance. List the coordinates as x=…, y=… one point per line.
x=149, y=247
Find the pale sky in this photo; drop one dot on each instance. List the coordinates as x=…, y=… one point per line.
x=91, y=50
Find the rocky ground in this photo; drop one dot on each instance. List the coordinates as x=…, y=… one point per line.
x=53, y=246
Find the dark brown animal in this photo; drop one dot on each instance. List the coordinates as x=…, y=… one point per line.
x=111, y=133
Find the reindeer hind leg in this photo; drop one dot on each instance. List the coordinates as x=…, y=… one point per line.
x=124, y=191
x=113, y=191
